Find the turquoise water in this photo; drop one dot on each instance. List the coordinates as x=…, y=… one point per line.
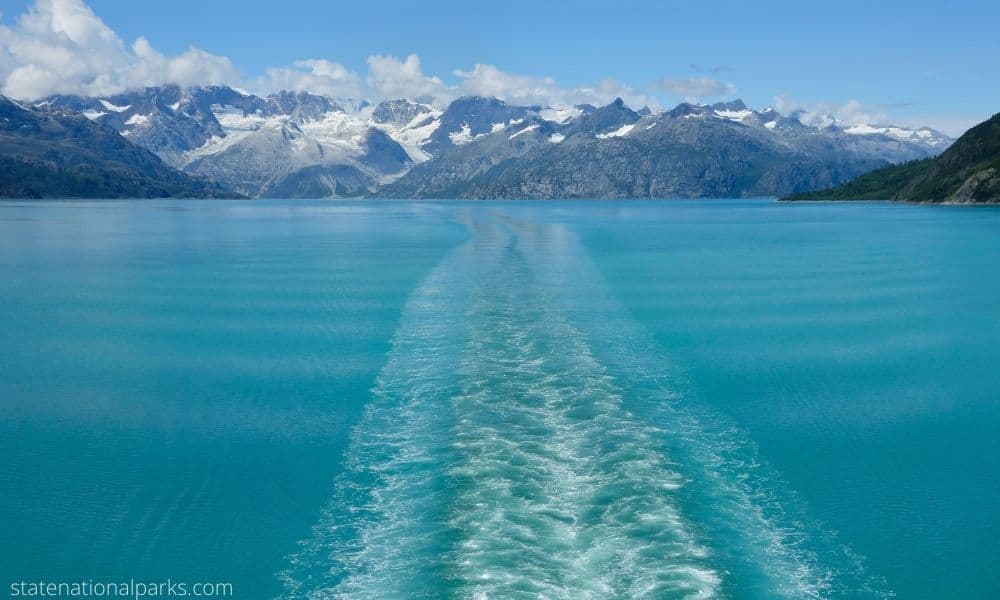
x=736, y=399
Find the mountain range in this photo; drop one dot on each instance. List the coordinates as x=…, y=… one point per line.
x=722, y=150
x=968, y=172
x=48, y=153
x=298, y=145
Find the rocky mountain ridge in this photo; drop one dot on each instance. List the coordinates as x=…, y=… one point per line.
x=49, y=153
x=306, y=145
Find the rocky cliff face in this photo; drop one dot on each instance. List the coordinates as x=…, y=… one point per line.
x=51, y=153
x=398, y=112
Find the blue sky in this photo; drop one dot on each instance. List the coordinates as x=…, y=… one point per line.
x=909, y=62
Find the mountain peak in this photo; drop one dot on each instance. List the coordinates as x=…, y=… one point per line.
x=472, y=116
x=398, y=111
x=476, y=100
x=608, y=118
x=731, y=105
x=686, y=108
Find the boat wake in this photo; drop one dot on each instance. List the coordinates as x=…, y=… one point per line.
x=526, y=439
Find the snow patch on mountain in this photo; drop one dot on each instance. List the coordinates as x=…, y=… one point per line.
x=559, y=115
x=923, y=135
x=414, y=134
x=336, y=130
x=620, y=132
x=531, y=127
x=464, y=135
x=115, y=108
x=234, y=119
x=734, y=115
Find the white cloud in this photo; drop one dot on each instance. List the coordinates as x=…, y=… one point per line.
x=191, y=68
x=318, y=76
x=390, y=77
x=696, y=88
x=62, y=46
x=488, y=80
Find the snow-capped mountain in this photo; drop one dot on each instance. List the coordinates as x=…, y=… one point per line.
x=720, y=150
x=260, y=146
x=302, y=144
x=738, y=112
x=922, y=135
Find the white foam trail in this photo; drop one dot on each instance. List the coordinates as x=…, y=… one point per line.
x=754, y=521
x=378, y=536
x=384, y=505
x=563, y=494
x=523, y=441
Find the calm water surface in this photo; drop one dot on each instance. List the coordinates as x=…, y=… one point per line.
x=736, y=399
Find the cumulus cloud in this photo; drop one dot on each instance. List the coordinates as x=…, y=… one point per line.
x=192, y=67
x=390, y=77
x=488, y=80
x=318, y=76
x=696, y=88
x=61, y=46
